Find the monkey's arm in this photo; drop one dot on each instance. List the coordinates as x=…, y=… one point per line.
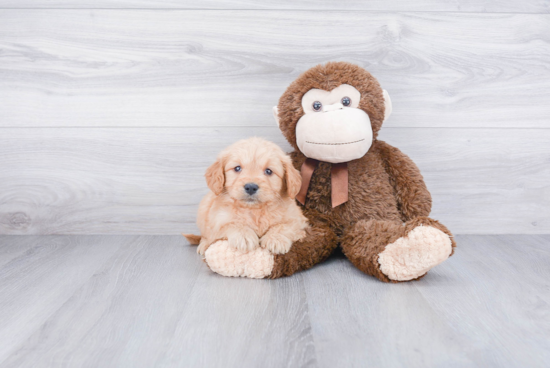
x=319, y=242
x=413, y=198
x=317, y=245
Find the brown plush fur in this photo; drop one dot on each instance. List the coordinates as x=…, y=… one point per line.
x=366, y=239
x=319, y=244
x=385, y=186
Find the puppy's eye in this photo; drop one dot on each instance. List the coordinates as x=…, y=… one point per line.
x=237, y=168
x=346, y=101
x=317, y=106
x=268, y=171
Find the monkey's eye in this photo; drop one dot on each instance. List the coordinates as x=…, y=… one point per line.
x=317, y=106
x=237, y=168
x=268, y=171
x=346, y=101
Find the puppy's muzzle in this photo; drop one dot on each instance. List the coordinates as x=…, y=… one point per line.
x=251, y=188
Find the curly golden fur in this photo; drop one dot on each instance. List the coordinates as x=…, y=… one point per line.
x=268, y=217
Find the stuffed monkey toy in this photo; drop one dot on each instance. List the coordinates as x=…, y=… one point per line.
x=357, y=192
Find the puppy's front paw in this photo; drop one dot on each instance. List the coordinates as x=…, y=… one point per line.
x=276, y=243
x=243, y=239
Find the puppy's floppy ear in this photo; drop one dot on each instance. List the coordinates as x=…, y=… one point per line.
x=215, y=177
x=292, y=177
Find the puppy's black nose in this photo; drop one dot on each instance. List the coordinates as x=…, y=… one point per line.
x=251, y=188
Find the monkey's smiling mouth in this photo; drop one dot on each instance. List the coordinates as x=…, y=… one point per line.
x=336, y=144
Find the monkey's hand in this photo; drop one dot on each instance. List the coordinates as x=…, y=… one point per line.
x=229, y=261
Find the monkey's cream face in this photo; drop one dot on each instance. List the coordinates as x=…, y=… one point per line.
x=333, y=129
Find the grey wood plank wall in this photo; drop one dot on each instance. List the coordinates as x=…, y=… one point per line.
x=523, y=6
x=109, y=117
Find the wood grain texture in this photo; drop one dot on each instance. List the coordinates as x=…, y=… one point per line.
x=359, y=321
x=150, y=181
x=515, y=270
x=12, y=247
x=126, y=312
x=37, y=283
x=524, y=6
x=154, y=303
x=142, y=301
x=107, y=180
x=256, y=323
x=228, y=68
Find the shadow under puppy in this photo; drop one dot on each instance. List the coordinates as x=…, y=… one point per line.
x=251, y=204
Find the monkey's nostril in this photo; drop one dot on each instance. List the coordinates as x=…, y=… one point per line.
x=251, y=188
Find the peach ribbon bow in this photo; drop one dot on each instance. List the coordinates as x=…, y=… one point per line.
x=338, y=181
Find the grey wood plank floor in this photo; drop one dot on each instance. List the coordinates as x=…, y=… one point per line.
x=143, y=301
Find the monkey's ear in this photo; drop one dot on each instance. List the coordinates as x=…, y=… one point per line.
x=387, y=105
x=276, y=114
x=215, y=177
x=293, y=178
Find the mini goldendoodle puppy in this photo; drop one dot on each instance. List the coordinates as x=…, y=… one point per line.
x=253, y=185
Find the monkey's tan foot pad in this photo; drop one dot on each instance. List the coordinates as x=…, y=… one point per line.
x=229, y=261
x=415, y=254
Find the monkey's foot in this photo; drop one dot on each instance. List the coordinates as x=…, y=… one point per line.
x=229, y=261
x=414, y=254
